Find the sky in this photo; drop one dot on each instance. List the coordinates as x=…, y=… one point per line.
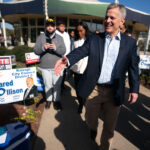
x=142, y=5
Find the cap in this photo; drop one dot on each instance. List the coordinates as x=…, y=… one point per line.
x=50, y=21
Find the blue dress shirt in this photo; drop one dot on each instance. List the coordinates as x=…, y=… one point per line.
x=111, y=51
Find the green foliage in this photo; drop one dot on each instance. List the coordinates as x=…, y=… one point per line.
x=4, y=51
x=18, y=51
x=17, y=67
x=141, y=45
x=9, y=32
x=145, y=75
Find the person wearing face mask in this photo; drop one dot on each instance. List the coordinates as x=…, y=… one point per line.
x=79, y=68
x=110, y=55
x=50, y=46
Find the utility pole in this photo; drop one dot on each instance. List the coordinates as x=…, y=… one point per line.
x=4, y=28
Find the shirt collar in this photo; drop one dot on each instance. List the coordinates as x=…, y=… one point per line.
x=53, y=35
x=117, y=37
x=30, y=88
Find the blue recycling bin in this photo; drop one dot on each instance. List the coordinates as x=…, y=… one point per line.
x=17, y=137
x=40, y=84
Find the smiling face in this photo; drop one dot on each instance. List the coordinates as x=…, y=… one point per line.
x=113, y=21
x=29, y=82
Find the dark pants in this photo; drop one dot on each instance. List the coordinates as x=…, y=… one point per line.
x=77, y=78
x=63, y=79
x=66, y=75
x=101, y=100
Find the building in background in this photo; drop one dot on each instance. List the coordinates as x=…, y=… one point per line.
x=28, y=16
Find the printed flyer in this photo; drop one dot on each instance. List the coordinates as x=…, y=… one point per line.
x=31, y=58
x=14, y=84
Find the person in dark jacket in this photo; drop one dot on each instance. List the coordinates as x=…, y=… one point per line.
x=110, y=55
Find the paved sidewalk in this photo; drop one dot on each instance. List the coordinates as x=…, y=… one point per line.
x=67, y=130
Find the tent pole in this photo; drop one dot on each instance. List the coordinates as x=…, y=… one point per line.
x=147, y=41
x=46, y=9
x=4, y=32
x=4, y=28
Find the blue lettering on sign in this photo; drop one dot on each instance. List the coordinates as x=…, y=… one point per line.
x=4, y=84
x=2, y=91
x=143, y=62
x=10, y=91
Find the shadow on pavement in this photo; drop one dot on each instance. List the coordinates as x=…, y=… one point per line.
x=134, y=122
x=72, y=130
x=37, y=143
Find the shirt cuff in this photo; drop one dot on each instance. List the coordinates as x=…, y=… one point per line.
x=68, y=63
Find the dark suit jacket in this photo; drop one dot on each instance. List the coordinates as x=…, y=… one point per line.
x=32, y=93
x=127, y=61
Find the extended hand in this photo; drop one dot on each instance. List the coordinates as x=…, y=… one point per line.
x=60, y=65
x=132, y=97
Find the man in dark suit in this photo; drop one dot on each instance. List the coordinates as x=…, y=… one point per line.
x=111, y=55
x=30, y=92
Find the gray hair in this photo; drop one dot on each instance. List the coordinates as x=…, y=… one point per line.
x=121, y=8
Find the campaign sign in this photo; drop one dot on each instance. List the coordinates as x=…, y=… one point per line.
x=13, y=84
x=144, y=62
x=5, y=62
x=31, y=58
x=13, y=59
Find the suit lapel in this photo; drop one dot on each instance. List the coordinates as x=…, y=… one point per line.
x=121, y=51
x=101, y=48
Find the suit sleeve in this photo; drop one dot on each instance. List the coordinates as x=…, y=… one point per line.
x=79, y=53
x=133, y=70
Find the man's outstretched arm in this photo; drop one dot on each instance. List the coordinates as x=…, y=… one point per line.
x=72, y=57
x=60, y=65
